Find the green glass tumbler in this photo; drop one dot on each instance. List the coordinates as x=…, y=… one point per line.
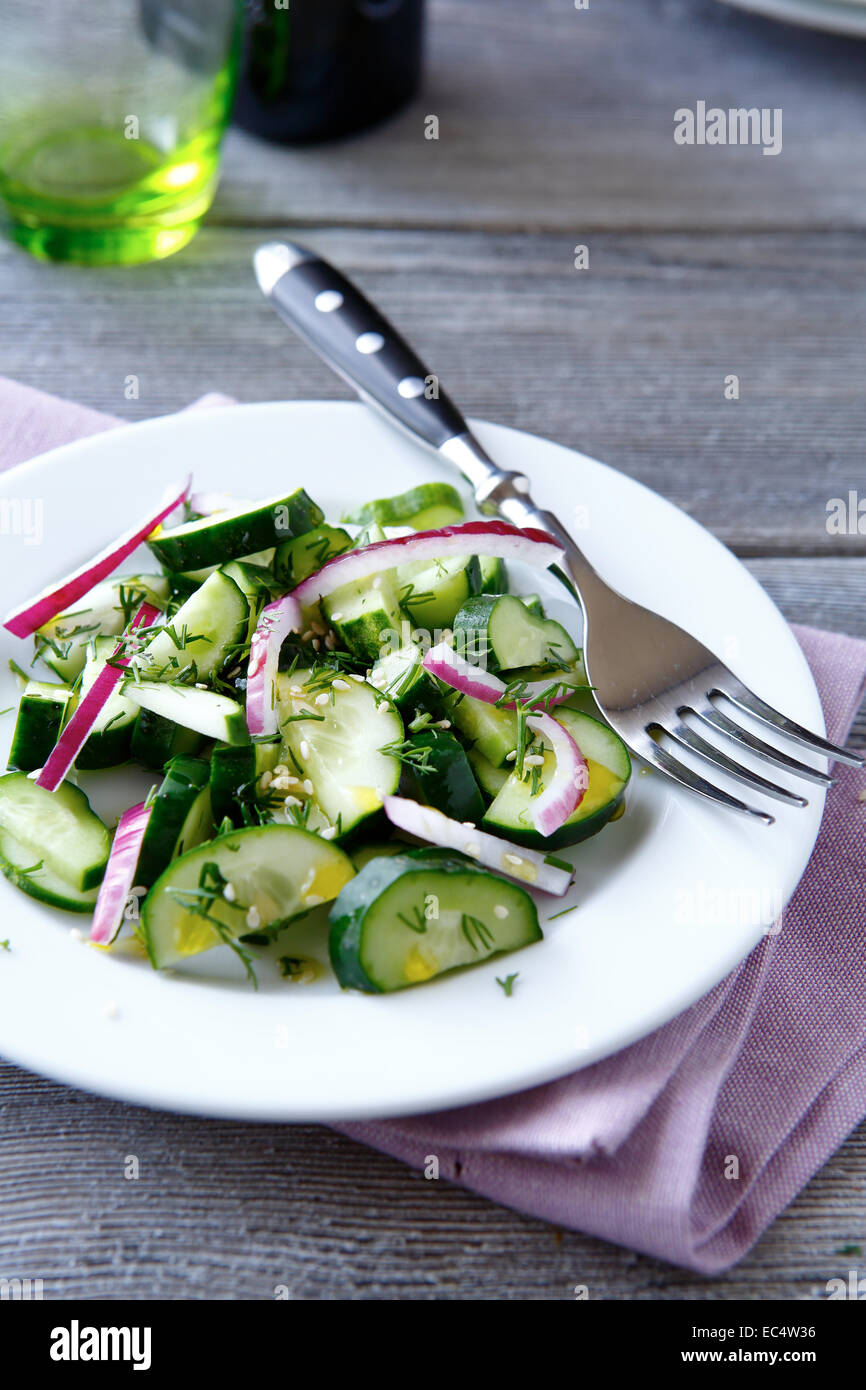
x=111, y=118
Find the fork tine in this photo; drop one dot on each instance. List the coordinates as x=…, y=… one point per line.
x=678, y=772
x=717, y=720
x=745, y=699
x=687, y=737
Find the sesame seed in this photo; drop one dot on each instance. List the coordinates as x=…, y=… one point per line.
x=319, y=629
x=510, y=757
x=280, y=784
x=377, y=581
x=229, y=893
x=77, y=934
x=292, y=781
x=330, y=642
x=353, y=675
x=292, y=801
x=469, y=825
x=384, y=707
x=474, y=850
x=296, y=689
x=305, y=636
x=316, y=644
x=323, y=699
x=340, y=684
x=307, y=787
x=513, y=859
x=329, y=832
x=281, y=770
x=500, y=911
x=200, y=685
x=336, y=617
x=534, y=760
x=313, y=899
x=266, y=780
x=305, y=748
x=253, y=917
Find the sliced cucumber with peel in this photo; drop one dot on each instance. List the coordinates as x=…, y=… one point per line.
x=425, y=508
x=180, y=817
x=408, y=917
x=505, y=633
x=229, y=535
x=205, y=634
x=19, y=864
x=234, y=773
x=245, y=881
x=58, y=828
x=402, y=677
x=431, y=595
x=298, y=558
x=63, y=642
x=338, y=744
x=510, y=813
x=212, y=715
x=491, y=729
x=42, y=712
x=155, y=740
x=365, y=616
x=443, y=775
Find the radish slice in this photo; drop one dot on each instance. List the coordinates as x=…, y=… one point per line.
x=566, y=788
x=25, y=620
x=275, y=623
x=116, y=887
x=526, y=865
x=473, y=538
x=460, y=674
x=74, y=736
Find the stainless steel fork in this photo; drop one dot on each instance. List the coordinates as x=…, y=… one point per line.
x=654, y=683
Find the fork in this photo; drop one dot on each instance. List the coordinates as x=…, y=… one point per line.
x=654, y=683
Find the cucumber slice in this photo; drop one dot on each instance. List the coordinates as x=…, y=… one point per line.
x=57, y=828
x=209, y=714
x=407, y=918
x=502, y=630
x=401, y=676
x=41, y=715
x=490, y=779
x=234, y=772
x=183, y=583
x=274, y=873
x=339, y=747
x=110, y=739
x=375, y=849
x=255, y=583
x=298, y=558
x=426, y=508
x=366, y=616
x=230, y=535
x=443, y=776
x=155, y=740
x=104, y=612
x=432, y=595
x=491, y=729
x=19, y=865
x=180, y=817
x=531, y=601
x=205, y=634
x=609, y=770
x=494, y=576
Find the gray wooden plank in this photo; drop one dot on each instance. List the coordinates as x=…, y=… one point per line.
x=626, y=360
x=557, y=119
x=229, y=1211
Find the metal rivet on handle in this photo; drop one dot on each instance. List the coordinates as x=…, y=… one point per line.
x=328, y=301
x=369, y=343
x=411, y=387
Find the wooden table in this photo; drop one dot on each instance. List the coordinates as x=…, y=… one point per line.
x=556, y=130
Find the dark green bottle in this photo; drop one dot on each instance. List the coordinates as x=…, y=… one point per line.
x=321, y=69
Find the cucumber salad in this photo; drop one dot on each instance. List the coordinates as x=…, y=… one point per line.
x=362, y=721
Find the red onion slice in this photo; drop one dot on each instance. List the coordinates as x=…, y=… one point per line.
x=275, y=623
x=116, y=887
x=472, y=538
x=39, y=610
x=526, y=865
x=452, y=668
x=74, y=736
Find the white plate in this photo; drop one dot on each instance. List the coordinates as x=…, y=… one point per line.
x=837, y=16
x=670, y=897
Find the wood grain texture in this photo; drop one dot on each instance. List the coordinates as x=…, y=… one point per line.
x=626, y=360
x=553, y=119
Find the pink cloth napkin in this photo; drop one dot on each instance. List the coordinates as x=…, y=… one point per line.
x=689, y=1143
